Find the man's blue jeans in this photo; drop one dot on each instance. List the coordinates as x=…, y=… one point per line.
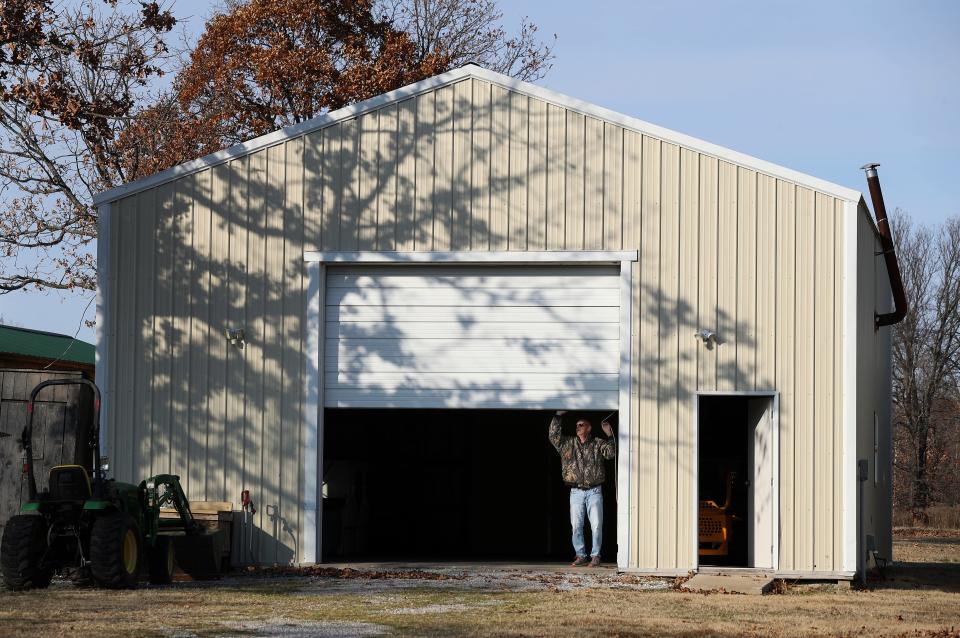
x=589, y=502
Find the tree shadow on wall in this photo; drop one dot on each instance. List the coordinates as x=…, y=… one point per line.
x=224, y=249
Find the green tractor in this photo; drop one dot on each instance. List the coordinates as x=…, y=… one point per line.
x=90, y=526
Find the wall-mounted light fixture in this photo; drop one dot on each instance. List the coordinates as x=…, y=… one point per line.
x=708, y=337
x=235, y=336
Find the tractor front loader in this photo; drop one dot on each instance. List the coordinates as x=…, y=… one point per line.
x=90, y=526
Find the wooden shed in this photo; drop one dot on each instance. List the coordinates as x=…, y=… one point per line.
x=366, y=320
x=62, y=419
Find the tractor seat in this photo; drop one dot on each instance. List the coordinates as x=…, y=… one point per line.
x=69, y=483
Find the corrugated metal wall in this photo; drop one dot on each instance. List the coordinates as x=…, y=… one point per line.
x=873, y=386
x=474, y=166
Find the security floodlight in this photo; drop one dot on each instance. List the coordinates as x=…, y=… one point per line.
x=235, y=336
x=706, y=336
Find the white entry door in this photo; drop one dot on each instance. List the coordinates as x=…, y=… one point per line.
x=523, y=337
x=761, y=453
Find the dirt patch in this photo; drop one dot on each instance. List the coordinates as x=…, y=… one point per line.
x=431, y=609
x=294, y=628
x=493, y=580
x=350, y=573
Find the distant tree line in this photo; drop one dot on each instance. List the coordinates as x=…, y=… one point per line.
x=926, y=368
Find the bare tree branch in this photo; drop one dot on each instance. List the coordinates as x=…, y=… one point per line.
x=472, y=31
x=70, y=77
x=926, y=377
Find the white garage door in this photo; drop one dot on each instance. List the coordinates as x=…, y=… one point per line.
x=472, y=337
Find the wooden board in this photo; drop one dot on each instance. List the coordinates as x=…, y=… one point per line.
x=204, y=511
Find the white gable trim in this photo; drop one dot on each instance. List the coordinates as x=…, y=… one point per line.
x=473, y=71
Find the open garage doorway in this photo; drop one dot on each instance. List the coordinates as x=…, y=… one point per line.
x=443, y=485
x=737, y=488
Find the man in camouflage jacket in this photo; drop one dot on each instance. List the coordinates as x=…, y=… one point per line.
x=582, y=465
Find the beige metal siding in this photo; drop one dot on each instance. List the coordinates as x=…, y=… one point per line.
x=728, y=249
x=198, y=335
x=255, y=387
x=647, y=418
x=235, y=287
x=745, y=278
x=804, y=366
x=825, y=355
x=125, y=335
x=785, y=352
x=709, y=252
x=141, y=425
x=480, y=165
x=667, y=353
x=476, y=166
x=517, y=160
x=686, y=318
x=873, y=384
x=537, y=179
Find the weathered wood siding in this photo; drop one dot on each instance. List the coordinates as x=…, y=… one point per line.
x=475, y=166
x=62, y=417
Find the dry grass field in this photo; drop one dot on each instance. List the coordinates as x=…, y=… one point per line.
x=920, y=596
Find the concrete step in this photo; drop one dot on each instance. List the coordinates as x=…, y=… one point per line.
x=732, y=583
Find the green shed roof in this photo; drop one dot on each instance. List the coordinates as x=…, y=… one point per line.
x=45, y=345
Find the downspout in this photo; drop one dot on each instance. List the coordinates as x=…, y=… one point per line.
x=889, y=253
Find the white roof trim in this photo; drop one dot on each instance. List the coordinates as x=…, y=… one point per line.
x=504, y=81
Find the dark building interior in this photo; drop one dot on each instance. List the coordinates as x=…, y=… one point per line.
x=723, y=440
x=441, y=485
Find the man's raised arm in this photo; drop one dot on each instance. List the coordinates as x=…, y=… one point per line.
x=608, y=447
x=554, y=432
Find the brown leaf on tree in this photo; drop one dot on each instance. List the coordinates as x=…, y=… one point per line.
x=266, y=64
x=262, y=65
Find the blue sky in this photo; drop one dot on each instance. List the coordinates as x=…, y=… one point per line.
x=821, y=87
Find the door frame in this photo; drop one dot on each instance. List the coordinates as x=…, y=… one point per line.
x=316, y=263
x=774, y=395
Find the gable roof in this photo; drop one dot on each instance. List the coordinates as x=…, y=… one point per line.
x=45, y=345
x=474, y=71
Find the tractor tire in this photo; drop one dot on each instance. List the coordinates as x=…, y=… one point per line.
x=161, y=561
x=21, y=550
x=115, y=549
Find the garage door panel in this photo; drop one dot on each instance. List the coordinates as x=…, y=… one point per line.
x=491, y=398
x=523, y=349
x=472, y=330
x=387, y=314
x=394, y=382
x=494, y=282
x=539, y=297
x=519, y=276
x=474, y=361
x=477, y=337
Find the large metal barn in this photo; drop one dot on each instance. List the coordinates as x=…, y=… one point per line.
x=366, y=320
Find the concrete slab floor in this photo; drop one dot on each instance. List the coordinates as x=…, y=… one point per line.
x=371, y=577
x=473, y=567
